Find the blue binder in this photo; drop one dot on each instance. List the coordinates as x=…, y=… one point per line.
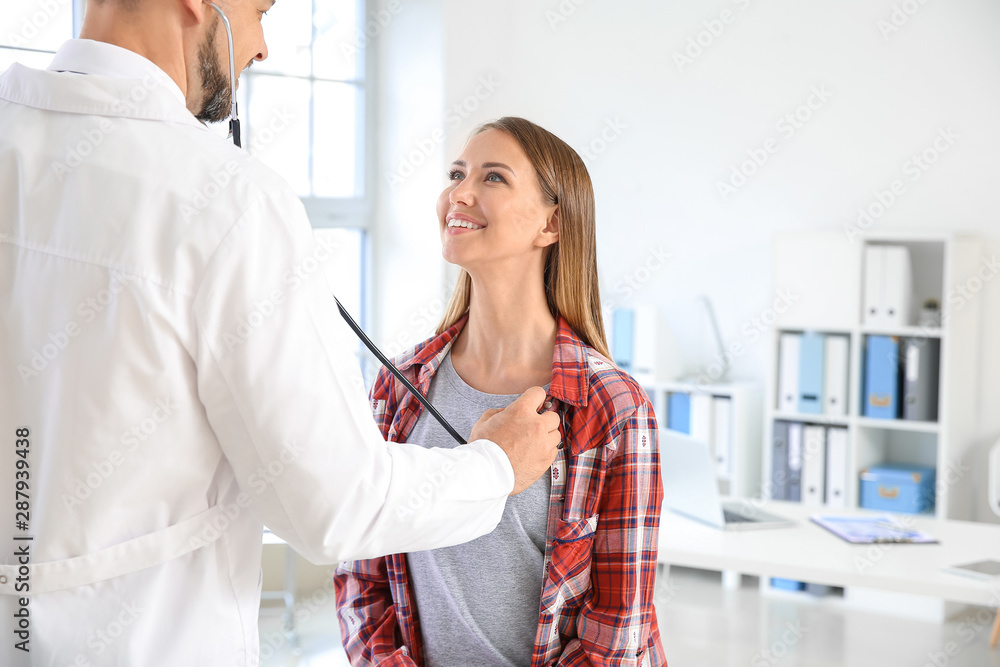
x=811, y=371
x=622, y=322
x=679, y=412
x=882, y=377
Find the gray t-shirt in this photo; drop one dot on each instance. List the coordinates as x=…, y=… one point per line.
x=478, y=602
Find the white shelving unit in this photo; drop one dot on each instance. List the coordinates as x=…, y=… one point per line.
x=746, y=398
x=825, y=273
x=942, y=262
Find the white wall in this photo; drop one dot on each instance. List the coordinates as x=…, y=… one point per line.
x=583, y=68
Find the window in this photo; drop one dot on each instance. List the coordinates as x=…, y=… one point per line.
x=30, y=32
x=304, y=111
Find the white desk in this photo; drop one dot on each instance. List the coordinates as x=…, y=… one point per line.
x=807, y=552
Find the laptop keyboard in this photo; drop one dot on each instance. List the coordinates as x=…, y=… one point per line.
x=733, y=517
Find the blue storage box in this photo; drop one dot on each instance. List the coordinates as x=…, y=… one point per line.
x=788, y=584
x=898, y=487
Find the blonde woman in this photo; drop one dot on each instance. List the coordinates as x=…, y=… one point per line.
x=567, y=575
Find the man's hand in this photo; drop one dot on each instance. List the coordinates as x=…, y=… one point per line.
x=529, y=439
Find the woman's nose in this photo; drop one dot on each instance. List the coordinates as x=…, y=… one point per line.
x=462, y=194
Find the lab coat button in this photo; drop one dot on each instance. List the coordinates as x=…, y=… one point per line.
x=3, y=579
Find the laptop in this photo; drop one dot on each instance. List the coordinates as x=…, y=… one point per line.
x=691, y=490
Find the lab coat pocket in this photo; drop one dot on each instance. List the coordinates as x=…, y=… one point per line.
x=568, y=576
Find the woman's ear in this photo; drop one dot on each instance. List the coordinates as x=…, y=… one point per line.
x=549, y=234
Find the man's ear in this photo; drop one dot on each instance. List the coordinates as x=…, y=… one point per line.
x=550, y=232
x=195, y=9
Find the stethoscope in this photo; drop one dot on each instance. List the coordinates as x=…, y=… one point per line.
x=234, y=116
x=234, y=134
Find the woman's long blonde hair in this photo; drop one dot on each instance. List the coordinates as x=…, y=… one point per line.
x=571, y=288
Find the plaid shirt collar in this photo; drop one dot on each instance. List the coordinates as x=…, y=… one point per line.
x=570, y=375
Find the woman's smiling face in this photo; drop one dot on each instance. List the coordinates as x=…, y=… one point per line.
x=493, y=209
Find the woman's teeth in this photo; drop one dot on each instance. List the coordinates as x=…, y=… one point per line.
x=464, y=223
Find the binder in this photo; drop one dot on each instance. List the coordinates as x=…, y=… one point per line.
x=897, y=299
x=779, y=461
x=882, y=377
x=679, y=412
x=920, y=384
x=811, y=364
x=701, y=418
x=835, y=376
x=622, y=338
x=722, y=408
x=874, y=280
x=644, y=337
x=836, y=467
x=788, y=372
x=813, y=465
x=794, y=462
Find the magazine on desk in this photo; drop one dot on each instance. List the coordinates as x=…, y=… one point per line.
x=872, y=529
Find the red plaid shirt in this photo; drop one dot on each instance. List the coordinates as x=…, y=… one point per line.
x=604, y=515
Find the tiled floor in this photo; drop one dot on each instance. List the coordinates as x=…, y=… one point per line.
x=704, y=625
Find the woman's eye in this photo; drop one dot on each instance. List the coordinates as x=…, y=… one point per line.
x=454, y=175
x=494, y=177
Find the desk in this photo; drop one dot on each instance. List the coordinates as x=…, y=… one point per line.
x=807, y=552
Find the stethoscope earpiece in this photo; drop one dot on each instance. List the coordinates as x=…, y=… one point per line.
x=234, y=118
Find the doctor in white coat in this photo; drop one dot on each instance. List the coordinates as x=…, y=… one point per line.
x=170, y=373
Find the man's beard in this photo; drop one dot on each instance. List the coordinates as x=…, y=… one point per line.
x=214, y=82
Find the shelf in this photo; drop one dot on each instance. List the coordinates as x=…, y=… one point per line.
x=824, y=420
x=903, y=332
x=898, y=425
x=837, y=331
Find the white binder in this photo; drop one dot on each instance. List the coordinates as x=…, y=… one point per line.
x=835, y=393
x=836, y=467
x=722, y=407
x=813, y=465
x=874, y=315
x=788, y=372
x=898, y=289
x=702, y=423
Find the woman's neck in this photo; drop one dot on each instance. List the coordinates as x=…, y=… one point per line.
x=507, y=344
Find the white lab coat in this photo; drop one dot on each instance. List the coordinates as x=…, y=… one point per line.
x=168, y=337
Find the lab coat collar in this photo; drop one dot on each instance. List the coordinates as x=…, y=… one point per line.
x=570, y=362
x=119, y=83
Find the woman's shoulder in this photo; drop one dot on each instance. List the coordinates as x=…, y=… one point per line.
x=612, y=390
